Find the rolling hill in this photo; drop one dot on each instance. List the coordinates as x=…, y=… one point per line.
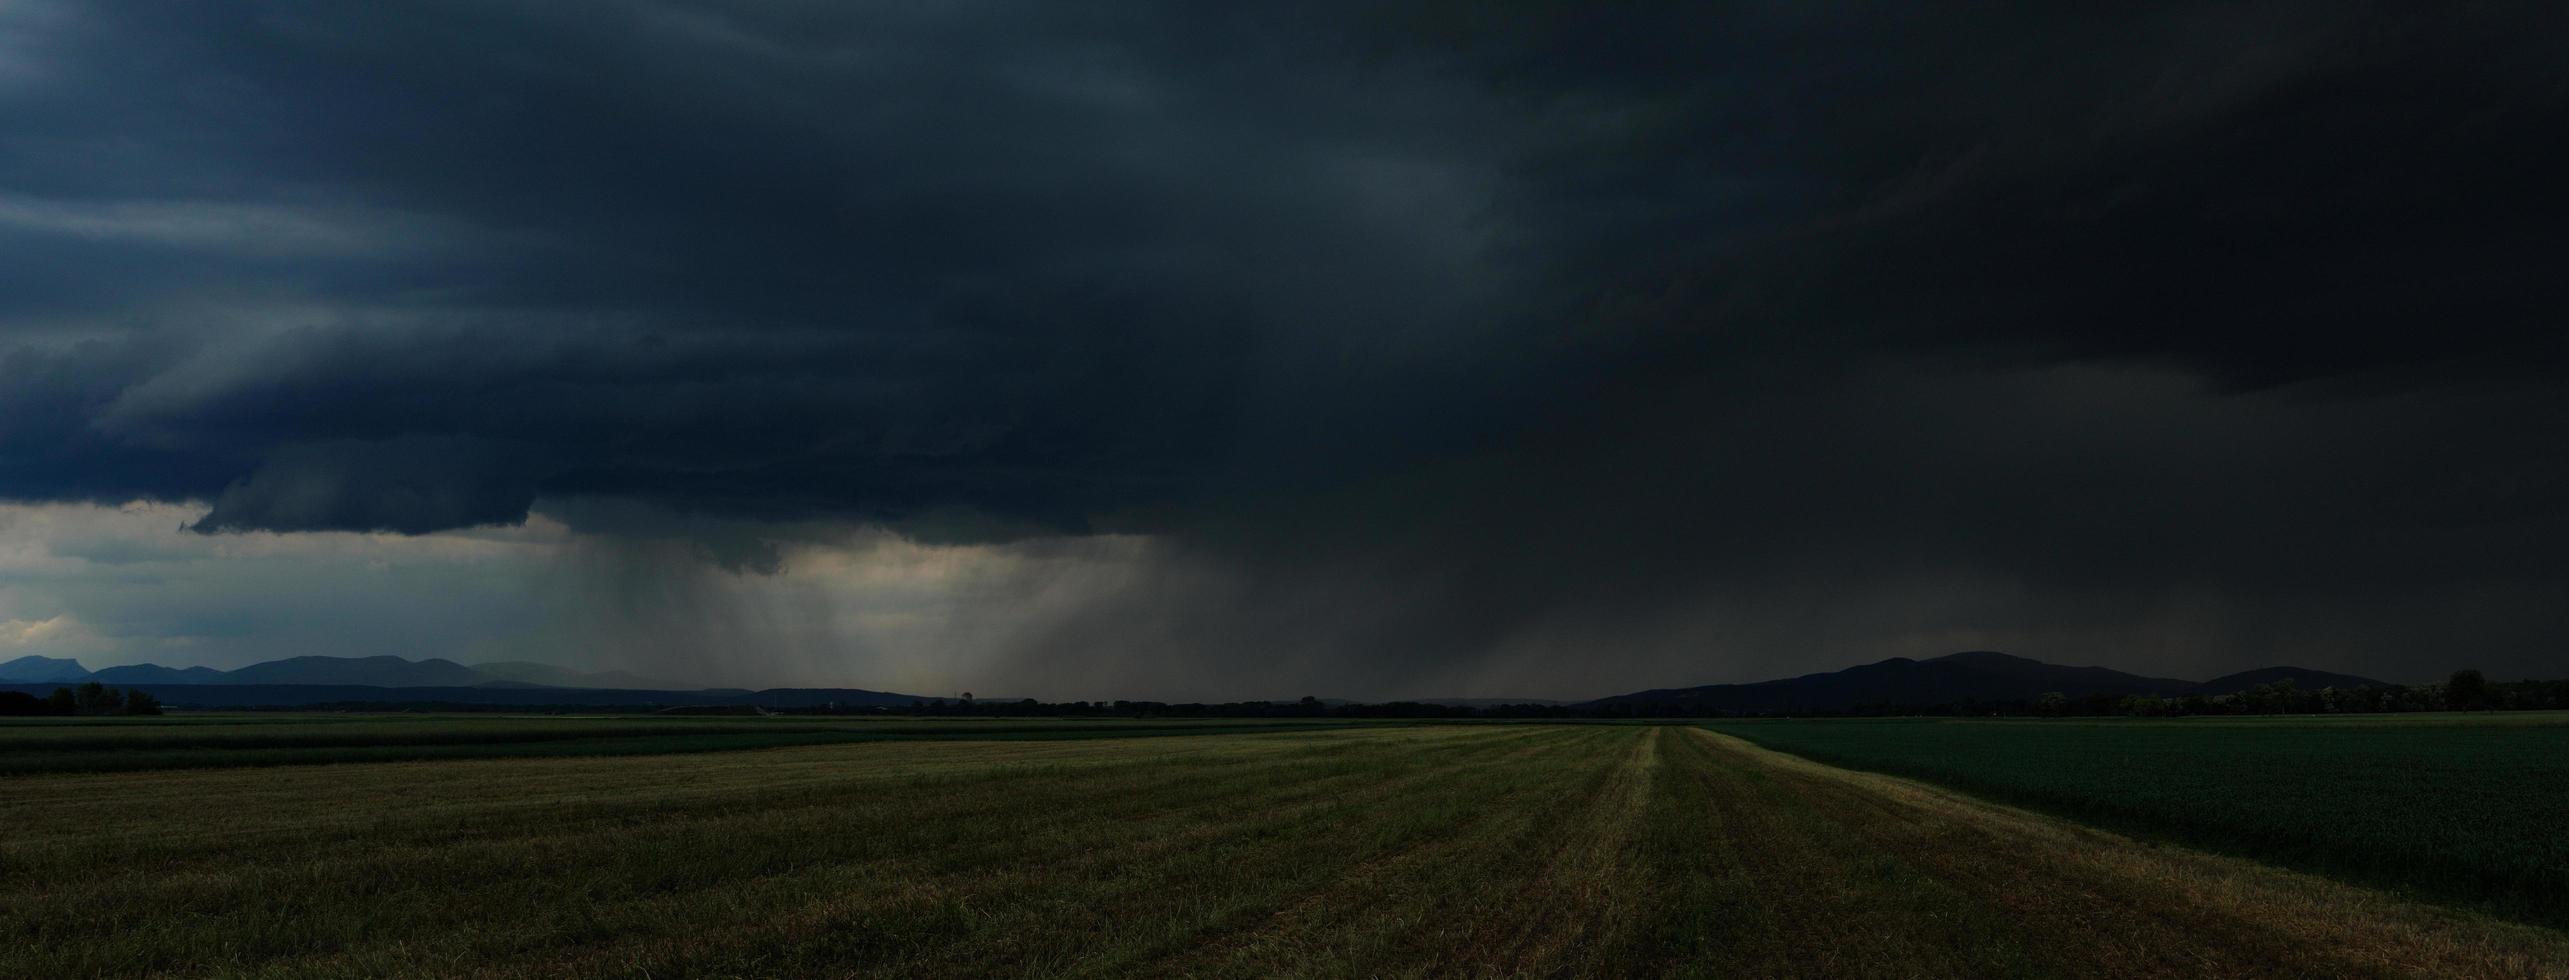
x=384, y=671
x=1951, y=679
x=233, y=696
x=368, y=671
x=301, y=681
x=157, y=674
x=2301, y=677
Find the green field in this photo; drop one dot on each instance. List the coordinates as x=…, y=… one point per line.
x=2467, y=808
x=1078, y=849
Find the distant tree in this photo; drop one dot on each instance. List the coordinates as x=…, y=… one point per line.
x=20, y=703
x=94, y=698
x=2052, y=704
x=2466, y=690
x=2270, y=699
x=140, y=703
x=62, y=702
x=2411, y=698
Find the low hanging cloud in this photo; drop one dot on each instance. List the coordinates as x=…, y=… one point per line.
x=57, y=634
x=410, y=485
x=125, y=585
x=1418, y=349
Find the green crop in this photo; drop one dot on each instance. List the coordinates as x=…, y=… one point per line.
x=2471, y=808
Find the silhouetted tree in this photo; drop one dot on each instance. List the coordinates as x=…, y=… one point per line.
x=140, y=703
x=2466, y=690
x=62, y=701
x=2144, y=706
x=94, y=698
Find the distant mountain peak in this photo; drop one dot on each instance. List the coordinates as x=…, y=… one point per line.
x=379, y=670
x=1984, y=657
x=157, y=674
x=42, y=670
x=375, y=671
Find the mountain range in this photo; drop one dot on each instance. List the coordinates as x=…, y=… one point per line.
x=42, y=670
x=337, y=671
x=1980, y=675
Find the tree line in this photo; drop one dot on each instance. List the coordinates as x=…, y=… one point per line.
x=91, y=698
x=2465, y=690
x=1308, y=707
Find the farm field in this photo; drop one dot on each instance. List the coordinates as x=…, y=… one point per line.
x=1487, y=850
x=2467, y=808
x=29, y=745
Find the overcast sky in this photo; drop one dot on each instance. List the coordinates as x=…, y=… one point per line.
x=1248, y=350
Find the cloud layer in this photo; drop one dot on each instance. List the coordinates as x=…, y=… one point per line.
x=1421, y=349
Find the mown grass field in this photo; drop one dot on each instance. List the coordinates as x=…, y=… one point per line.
x=30, y=745
x=2469, y=808
x=1441, y=850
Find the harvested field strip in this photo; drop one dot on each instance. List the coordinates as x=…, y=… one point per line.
x=65, y=746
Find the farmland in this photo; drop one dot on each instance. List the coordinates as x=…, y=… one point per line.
x=2465, y=807
x=1197, y=850
x=109, y=744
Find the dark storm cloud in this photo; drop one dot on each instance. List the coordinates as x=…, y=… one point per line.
x=1419, y=332
x=412, y=485
x=2267, y=193
x=759, y=258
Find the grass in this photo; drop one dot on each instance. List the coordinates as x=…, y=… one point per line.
x=111, y=744
x=2464, y=808
x=1471, y=850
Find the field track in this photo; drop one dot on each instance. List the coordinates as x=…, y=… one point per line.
x=1514, y=850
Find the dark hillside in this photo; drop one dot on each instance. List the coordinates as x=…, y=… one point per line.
x=1982, y=676
x=2301, y=677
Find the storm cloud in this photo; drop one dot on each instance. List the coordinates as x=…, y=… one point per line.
x=1462, y=349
